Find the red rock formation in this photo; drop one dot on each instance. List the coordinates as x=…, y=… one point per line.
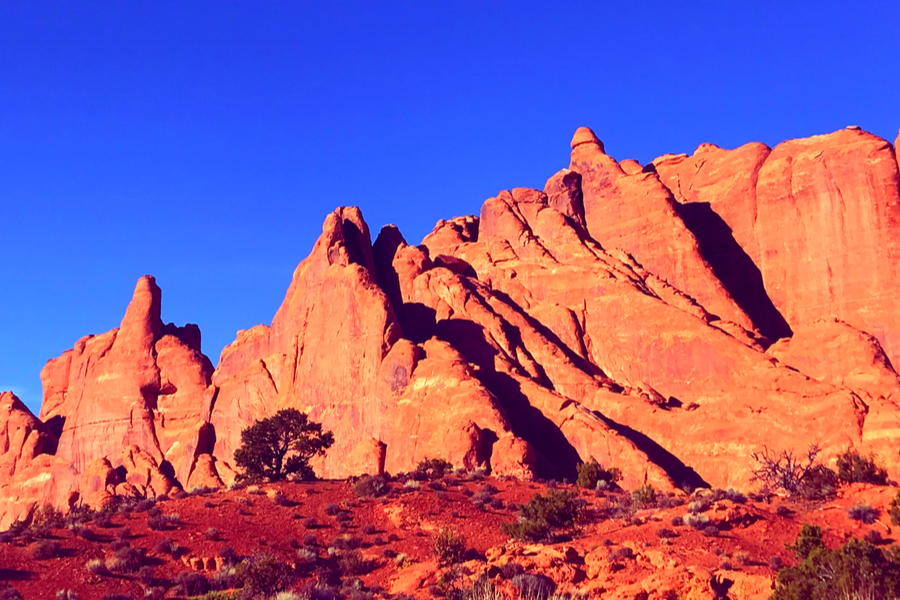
x=695, y=398
x=142, y=384
x=636, y=213
x=616, y=315
x=828, y=218
x=22, y=435
x=831, y=351
x=717, y=192
x=335, y=350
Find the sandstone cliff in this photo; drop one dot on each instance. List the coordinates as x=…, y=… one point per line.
x=624, y=312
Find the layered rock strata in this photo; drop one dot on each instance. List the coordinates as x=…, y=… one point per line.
x=625, y=313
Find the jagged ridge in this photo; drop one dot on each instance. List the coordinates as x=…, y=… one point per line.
x=625, y=313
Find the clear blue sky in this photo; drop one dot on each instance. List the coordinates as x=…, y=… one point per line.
x=204, y=143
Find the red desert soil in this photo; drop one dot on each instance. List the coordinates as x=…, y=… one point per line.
x=406, y=519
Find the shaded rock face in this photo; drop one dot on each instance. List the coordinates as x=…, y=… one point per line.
x=625, y=313
x=805, y=231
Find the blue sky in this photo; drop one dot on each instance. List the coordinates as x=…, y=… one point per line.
x=204, y=143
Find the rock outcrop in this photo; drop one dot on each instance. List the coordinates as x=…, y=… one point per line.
x=142, y=384
x=667, y=319
x=419, y=400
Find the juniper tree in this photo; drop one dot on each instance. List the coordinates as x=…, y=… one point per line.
x=281, y=445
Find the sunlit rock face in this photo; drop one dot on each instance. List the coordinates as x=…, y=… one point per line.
x=667, y=319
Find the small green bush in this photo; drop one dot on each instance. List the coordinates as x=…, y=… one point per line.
x=9, y=593
x=857, y=570
x=126, y=560
x=895, y=509
x=191, y=584
x=645, y=496
x=819, y=483
x=863, y=513
x=543, y=514
x=46, y=549
x=856, y=468
x=591, y=473
x=697, y=521
x=47, y=517
x=533, y=586
x=264, y=575
x=809, y=539
x=665, y=532
x=164, y=522
x=433, y=468
x=449, y=547
x=352, y=563
x=370, y=486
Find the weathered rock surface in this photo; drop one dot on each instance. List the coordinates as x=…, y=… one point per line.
x=637, y=213
x=142, y=384
x=692, y=400
x=370, y=384
x=716, y=190
x=805, y=231
x=624, y=313
x=828, y=217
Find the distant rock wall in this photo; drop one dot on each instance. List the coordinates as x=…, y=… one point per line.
x=624, y=312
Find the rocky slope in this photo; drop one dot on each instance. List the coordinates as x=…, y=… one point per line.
x=644, y=554
x=625, y=312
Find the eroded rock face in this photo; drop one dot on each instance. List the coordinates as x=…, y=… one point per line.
x=336, y=350
x=828, y=217
x=615, y=375
x=142, y=384
x=624, y=313
x=637, y=213
x=716, y=190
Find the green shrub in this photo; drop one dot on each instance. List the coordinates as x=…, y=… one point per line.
x=809, y=539
x=126, y=560
x=856, y=468
x=370, y=485
x=533, y=586
x=449, y=547
x=9, y=593
x=591, y=473
x=281, y=445
x=697, y=521
x=433, y=468
x=191, y=584
x=164, y=522
x=895, y=509
x=264, y=575
x=47, y=517
x=217, y=595
x=46, y=549
x=863, y=513
x=729, y=494
x=529, y=531
x=352, y=563
x=858, y=570
x=801, y=476
x=543, y=514
x=644, y=496
x=819, y=483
